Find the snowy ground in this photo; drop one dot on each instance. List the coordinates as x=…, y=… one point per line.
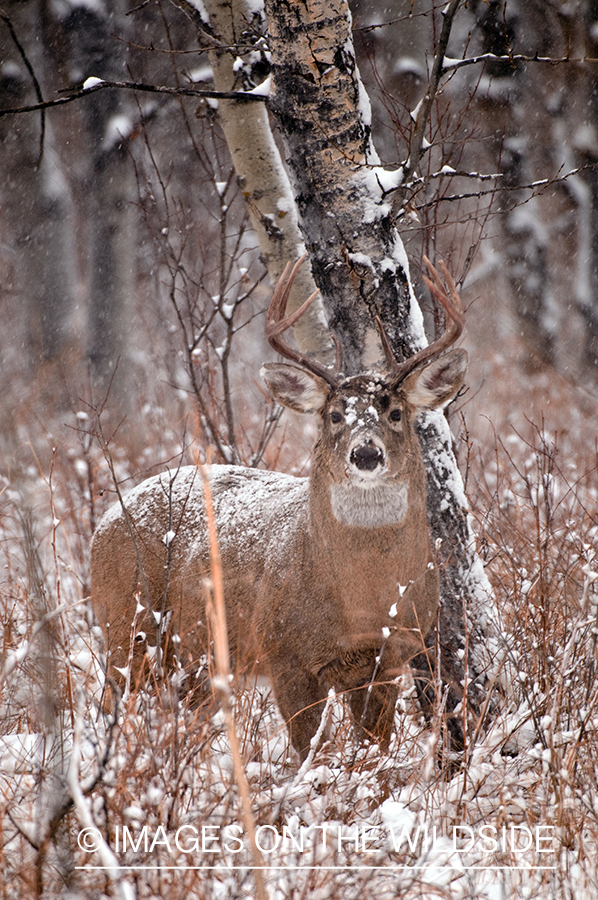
x=148, y=806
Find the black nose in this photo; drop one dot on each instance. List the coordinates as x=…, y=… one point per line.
x=367, y=457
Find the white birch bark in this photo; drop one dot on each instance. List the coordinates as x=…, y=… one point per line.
x=262, y=176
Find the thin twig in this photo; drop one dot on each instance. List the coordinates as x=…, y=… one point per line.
x=36, y=85
x=425, y=107
x=217, y=614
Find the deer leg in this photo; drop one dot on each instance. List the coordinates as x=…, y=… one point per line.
x=427, y=684
x=373, y=709
x=301, y=700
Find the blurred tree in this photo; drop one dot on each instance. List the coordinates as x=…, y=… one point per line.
x=37, y=214
x=90, y=35
x=68, y=210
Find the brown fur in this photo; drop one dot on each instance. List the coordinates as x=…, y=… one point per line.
x=311, y=567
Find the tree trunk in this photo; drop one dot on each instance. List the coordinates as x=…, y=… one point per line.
x=36, y=198
x=260, y=171
x=111, y=194
x=361, y=268
x=526, y=241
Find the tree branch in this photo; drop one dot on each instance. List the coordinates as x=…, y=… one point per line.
x=451, y=65
x=242, y=96
x=425, y=105
x=206, y=34
x=36, y=85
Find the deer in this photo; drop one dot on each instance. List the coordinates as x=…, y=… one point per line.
x=330, y=580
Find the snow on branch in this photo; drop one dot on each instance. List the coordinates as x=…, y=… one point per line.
x=424, y=107
x=535, y=186
x=451, y=65
x=259, y=94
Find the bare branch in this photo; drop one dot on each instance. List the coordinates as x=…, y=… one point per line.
x=425, y=106
x=535, y=186
x=243, y=96
x=451, y=65
x=36, y=84
x=206, y=36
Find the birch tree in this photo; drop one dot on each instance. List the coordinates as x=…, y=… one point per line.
x=359, y=264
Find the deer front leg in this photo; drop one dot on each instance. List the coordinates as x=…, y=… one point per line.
x=373, y=710
x=301, y=700
x=371, y=693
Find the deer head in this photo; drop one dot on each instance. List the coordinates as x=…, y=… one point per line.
x=367, y=441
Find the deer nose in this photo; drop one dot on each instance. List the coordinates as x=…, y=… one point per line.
x=367, y=457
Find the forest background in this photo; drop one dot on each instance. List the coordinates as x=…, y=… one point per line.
x=133, y=286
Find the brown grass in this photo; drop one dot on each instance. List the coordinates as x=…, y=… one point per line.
x=533, y=762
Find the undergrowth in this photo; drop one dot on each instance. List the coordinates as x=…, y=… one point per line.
x=86, y=783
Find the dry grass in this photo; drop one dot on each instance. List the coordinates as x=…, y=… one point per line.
x=148, y=774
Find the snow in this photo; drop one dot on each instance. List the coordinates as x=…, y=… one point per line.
x=255, y=7
x=118, y=128
x=95, y=6
x=388, y=180
x=364, y=106
x=21, y=750
x=199, y=6
x=263, y=89
x=201, y=74
x=285, y=205
x=91, y=82
x=406, y=65
x=387, y=265
x=361, y=259
x=450, y=63
x=374, y=183
x=415, y=111
x=416, y=317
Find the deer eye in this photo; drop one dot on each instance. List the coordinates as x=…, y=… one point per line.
x=395, y=415
x=336, y=417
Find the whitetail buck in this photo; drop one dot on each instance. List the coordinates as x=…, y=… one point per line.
x=329, y=581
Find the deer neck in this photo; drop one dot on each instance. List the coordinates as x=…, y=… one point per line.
x=351, y=511
x=369, y=507
x=363, y=546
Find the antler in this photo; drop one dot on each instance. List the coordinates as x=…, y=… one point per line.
x=277, y=324
x=455, y=324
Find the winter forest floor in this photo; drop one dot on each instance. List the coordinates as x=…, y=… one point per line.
x=517, y=816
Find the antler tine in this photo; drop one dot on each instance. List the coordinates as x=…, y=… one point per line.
x=277, y=323
x=454, y=328
x=390, y=357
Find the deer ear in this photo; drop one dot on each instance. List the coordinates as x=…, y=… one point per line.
x=296, y=388
x=438, y=382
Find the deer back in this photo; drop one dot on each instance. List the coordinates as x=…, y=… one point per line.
x=150, y=559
